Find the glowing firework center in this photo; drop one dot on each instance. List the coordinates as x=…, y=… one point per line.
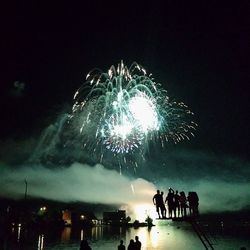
x=144, y=113
x=121, y=110
x=131, y=120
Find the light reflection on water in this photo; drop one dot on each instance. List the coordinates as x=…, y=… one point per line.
x=66, y=234
x=164, y=236
x=19, y=232
x=167, y=236
x=40, y=242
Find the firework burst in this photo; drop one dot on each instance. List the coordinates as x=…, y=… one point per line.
x=122, y=110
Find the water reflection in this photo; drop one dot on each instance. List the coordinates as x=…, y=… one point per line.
x=146, y=236
x=40, y=242
x=19, y=232
x=97, y=232
x=108, y=237
x=81, y=237
x=153, y=236
x=66, y=234
x=165, y=235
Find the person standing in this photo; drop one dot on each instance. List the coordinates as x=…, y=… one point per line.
x=157, y=202
x=131, y=245
x=183, y=204
x=170, y=202
x=137, y=243
x=176, y=204
x=121, y=246
x=163, y=207
x=193, y=201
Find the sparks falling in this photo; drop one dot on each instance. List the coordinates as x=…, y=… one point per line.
x=122, y=110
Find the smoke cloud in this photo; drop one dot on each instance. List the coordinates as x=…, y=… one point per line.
x=79, y=182
x=98, y=185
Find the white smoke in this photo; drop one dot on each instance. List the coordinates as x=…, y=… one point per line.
x=98, y=185
x=79, y=182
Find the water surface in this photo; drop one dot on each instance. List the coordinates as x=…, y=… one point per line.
x=166, y=235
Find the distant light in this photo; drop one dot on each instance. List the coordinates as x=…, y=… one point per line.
x=142, y=211
x=82, y=217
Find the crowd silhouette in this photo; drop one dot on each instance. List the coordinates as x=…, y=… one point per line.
x=177, y=204
x=134, y=244
x=174, y=205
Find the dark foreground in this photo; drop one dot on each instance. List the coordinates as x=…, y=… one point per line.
x=225, y=231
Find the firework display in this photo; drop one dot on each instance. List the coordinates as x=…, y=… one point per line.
x=122, y=110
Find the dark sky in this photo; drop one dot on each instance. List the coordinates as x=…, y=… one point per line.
x=199, y=52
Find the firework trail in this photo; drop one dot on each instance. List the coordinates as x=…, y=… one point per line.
x=120, y=111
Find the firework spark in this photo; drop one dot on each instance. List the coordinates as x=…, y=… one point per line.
x=122, y=110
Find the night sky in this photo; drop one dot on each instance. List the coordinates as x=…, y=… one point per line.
x=199, y=52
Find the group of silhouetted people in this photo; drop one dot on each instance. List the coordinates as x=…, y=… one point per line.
x=177, y=204
x=133, y=244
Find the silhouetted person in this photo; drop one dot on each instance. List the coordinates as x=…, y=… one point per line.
x=193, y=201
x=121, y=246
x=176, y=204
x=157, y=202
x=137, y=243
x=183, y=204
x=162, y=206
x=170, y=202
x=131, y=245
x=84, y=245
